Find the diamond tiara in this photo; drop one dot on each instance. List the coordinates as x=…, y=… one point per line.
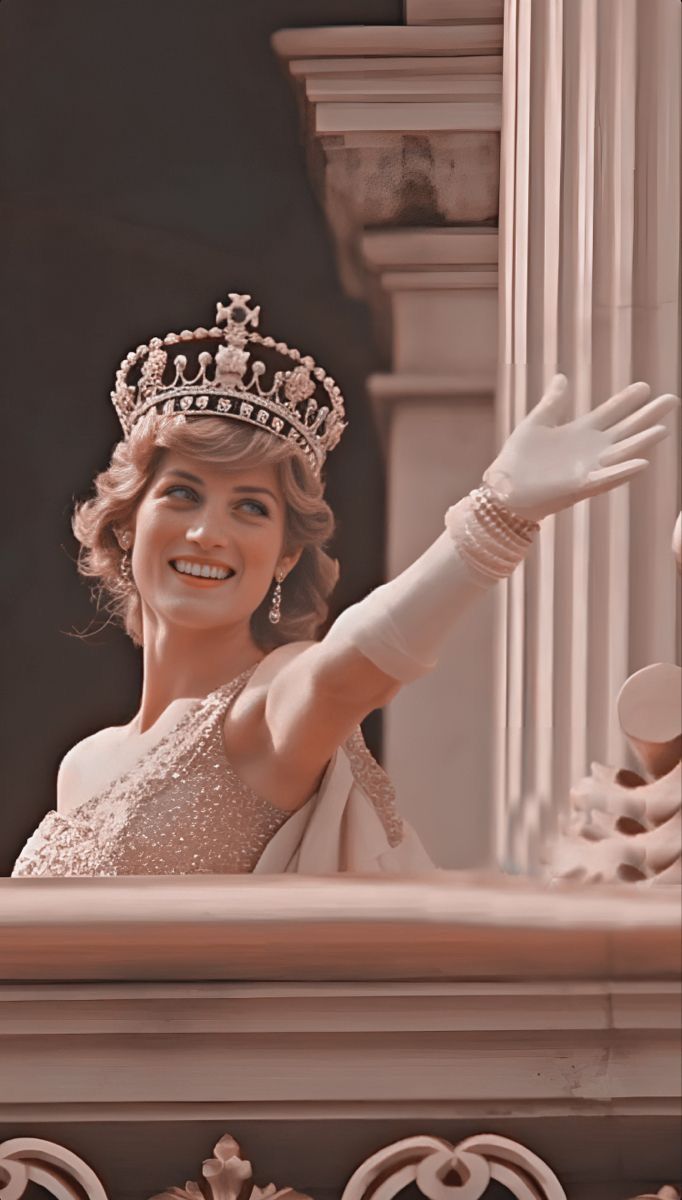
x=302, y=404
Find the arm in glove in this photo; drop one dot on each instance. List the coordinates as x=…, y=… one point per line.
x=543, y=467
x=313, y=697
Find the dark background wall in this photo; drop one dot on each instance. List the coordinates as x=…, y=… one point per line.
x=150, y=162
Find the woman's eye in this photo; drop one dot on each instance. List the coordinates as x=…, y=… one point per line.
x=179, y=487
x=254, y=506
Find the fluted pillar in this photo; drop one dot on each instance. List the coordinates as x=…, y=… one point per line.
x=589, y=285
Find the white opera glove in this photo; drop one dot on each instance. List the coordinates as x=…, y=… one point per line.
x=542, y=468
x=401, y=626
x=545, y=466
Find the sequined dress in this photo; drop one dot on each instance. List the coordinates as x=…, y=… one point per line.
x=182, y=809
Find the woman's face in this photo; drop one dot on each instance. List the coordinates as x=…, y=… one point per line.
x=229, y=526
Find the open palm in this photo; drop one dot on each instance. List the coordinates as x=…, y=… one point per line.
x=546, y=466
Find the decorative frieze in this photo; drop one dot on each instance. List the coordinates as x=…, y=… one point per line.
x=440, y=1171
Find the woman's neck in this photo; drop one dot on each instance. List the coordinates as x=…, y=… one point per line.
x=186, y=664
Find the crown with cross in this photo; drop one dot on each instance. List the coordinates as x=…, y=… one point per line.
x=288, y=396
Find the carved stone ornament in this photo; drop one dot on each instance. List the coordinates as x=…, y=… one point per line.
x=666, y=1193
x=227, y=1176
x=622, y=826
x=441, y=1172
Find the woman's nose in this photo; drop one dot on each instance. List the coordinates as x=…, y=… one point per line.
x=209, y=530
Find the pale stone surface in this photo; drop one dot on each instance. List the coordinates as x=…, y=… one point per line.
x=437, y=736
x=407, y=179
x=468, y=1031
x=590, y=182
x=445, y=924
x=436, y=414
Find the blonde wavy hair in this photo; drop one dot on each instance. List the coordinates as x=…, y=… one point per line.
x=219, y=442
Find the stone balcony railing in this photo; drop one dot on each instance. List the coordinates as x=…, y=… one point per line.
x=318, y=1020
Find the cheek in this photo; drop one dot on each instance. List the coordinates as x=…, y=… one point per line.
x=154, y=524
x=262, y=546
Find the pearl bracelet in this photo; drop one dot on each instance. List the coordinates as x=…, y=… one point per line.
x=490, y=537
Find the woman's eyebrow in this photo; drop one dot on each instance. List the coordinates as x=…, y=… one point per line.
x=183, y=475
x=265, y=491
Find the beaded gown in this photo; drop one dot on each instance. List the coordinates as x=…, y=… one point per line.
x=182, y=809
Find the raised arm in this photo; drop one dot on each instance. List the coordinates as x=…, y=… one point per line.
x=317, y=696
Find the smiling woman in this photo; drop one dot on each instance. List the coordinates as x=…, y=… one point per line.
x=205, y=482
x=206, y=535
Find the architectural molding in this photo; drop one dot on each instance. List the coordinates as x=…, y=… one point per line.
x=401, y=126
x=381, y=41
x=140, y=1018
x=524, y=1053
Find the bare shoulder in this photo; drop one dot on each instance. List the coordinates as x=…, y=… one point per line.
x=75, y=774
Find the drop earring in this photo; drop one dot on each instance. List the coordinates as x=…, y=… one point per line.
x=276, y=605
x=125, y=541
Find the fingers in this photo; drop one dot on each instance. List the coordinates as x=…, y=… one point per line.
x=607, y=477
x=654, y=411
x=553, y=406
x=621, y=451
x=617, y=407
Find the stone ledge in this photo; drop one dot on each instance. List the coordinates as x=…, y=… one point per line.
x=420, y=249
x=440, y=926
x=371, y=41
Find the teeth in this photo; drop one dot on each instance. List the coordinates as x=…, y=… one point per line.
x=205, y=572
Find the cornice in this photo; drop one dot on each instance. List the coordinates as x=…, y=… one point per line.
x=401, y=125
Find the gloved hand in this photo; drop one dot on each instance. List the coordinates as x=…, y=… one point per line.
x=545, y=466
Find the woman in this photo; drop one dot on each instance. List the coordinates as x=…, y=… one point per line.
x=207, y=532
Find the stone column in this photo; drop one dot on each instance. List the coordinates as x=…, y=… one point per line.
x=402, y=131
x=589, y=284
x=436, y=411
